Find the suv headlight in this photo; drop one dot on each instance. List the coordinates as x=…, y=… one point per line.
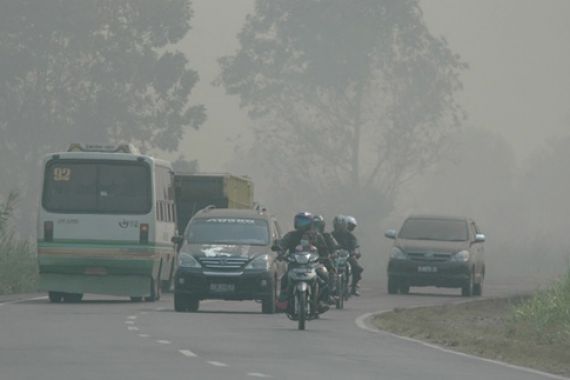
x=462, y=256
x=398, y=254
x=186, y=260
x=260, y=262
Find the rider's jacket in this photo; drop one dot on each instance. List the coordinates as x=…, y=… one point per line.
x=346, y=240
x=292, y=239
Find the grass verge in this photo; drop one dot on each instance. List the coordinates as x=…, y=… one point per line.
x=527, y=331
x=18, y=264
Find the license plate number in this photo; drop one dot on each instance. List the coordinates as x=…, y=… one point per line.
x=222, y=288
x=427, y=269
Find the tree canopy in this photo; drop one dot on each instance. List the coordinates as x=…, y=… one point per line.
x=352, y=95
x=91, y=71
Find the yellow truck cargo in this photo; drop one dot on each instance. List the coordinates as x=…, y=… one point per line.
x=195, y=191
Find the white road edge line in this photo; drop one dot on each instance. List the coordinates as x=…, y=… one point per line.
x=362, y=322
x=188, y=353
x=27, y=300
x=218, y=364
x=164, y=341
x=257, y=374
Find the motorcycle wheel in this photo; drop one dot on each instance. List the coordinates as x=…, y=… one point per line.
x=302, y=309
x=340, y=292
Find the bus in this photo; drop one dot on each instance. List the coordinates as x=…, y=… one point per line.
x=105, y=224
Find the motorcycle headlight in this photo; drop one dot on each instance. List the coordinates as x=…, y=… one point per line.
x=260, y=262
x=302, y=258
x=462, y=256
x=186, y=260
x=397, y=254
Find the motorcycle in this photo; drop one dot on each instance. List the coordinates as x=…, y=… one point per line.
x=342, y=273
x=303, y=284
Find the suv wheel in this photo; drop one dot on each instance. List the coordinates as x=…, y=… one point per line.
x=468, y=289
x=180, y=302
x=392, y=285
x=268, y=303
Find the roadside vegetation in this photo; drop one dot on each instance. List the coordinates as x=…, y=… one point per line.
x=531, y=331
x=18, y=265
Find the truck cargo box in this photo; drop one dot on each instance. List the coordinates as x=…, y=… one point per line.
x=196, y=191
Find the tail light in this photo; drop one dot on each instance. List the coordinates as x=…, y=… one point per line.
x=48, y=231
x=143, y=236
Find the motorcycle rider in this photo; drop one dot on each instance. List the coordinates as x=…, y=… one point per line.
x=305, y=229
x=343, y=233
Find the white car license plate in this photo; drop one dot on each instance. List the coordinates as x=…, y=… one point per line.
x=222, y=288
x=427, y=269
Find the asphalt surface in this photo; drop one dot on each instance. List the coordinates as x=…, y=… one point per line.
x=108, y=338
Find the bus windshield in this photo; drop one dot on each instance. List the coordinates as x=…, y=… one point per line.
x=97, y=187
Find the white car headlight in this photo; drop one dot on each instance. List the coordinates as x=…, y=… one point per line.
x=186, y=260
x=398, y=254
x=462, y=256
x=260, y=262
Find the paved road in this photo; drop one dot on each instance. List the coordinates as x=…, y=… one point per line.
x=105, y=338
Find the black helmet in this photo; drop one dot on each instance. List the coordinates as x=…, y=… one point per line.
x=319, y=223
x=303, y=221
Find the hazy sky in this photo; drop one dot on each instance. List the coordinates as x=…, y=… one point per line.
x=518, y=82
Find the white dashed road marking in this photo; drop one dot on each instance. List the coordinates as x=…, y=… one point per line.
x=144, y=335
x=218, y=364
x=188, y=353
x=129, y=322
x=163, y=341
x=133, y=328
x=257, y=374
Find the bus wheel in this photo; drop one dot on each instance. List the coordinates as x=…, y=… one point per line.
x=154, y=291
x=55, y=297
x=166, y=285
x=72, y=297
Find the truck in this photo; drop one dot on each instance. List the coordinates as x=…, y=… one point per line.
x=196, y=191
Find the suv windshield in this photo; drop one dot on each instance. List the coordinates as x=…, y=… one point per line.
x=434, y=229
x=97, y=187
x=228, y=231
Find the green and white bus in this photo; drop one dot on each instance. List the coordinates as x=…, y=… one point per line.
x=105, y=224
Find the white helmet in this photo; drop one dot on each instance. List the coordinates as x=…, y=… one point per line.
x=351, y=223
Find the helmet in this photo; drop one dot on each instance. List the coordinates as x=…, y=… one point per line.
x=319, y=222
x=303, y=221
x=338, y=222
x=351, y=223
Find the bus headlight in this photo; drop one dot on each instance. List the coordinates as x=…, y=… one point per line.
x=260, y=263
x=186, y=260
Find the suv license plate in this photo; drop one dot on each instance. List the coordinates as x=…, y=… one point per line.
x=427, y=269
x=222, y=288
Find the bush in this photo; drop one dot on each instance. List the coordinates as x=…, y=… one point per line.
x=18, y=264
x=547, y=313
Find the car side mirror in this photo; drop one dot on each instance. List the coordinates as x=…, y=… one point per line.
x=276, y=247
x=480, y=238
x=391, y=233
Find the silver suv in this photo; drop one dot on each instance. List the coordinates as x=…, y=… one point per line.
x=437, y=251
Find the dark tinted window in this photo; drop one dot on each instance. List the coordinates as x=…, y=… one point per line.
x=434, y=229
x=228, y=231
x=105, y=187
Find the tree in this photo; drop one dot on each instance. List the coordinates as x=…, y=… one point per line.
x=348, y=96
x=93, y=71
